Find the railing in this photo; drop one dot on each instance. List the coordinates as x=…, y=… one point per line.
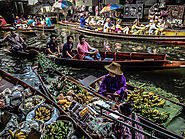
x=133, y=124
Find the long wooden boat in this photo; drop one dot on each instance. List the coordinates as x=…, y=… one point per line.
x=93, y=87
x=76, y=25
x=128, y=60
x=8, y=81
x=45, y=27
x=177, y=37
x=5, y=28
x=30, y=53
x=143, y=120
x=27, y=31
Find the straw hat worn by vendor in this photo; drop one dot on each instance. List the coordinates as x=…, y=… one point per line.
x=114, y=83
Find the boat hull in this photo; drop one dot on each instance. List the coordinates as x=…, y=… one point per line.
x=126, y=65
x=169, y=39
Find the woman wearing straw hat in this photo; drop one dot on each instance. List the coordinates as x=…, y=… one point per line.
x=114, y=83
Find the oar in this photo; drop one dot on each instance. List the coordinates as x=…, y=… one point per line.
x=43, y=31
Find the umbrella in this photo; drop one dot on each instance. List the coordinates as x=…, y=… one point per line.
x=111, y=7
x=62, y=4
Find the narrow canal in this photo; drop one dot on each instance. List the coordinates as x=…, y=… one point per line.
x=171, y=80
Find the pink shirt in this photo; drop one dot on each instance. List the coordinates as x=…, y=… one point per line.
x=3, y=22
x=81, y=49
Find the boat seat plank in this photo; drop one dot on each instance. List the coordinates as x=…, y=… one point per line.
x=88, y=80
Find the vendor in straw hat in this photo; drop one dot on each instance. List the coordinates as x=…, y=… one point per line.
x=114, y=83
x=123, y=132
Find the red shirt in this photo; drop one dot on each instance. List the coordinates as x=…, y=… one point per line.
x=3, y=22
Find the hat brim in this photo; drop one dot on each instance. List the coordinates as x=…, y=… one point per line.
x=112, y=71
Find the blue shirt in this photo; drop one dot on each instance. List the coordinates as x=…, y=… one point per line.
x=82, y=22
x=67, y=48
x=48, y=21
x=30, y=21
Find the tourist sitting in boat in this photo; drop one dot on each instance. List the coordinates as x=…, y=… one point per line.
x=137, y=29
x=42, y=21
x=52, y=47
x=100, y=21
x=15, y=40
x=153, y=30
x=17, y=22
x=119, y=29
x=114, y=83
x=36, y=22
x=48, y=21
x=108, y=25
x=123, y=132
x=83, y=50
x=2, y=21
x=82, y=21
x=30, y=21
x=67, y=48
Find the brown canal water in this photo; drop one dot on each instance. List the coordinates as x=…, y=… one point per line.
x=171, y=80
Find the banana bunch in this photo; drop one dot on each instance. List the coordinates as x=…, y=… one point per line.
x=59, y=130
x=83, y=98
x=36, y=100
x=147, y=112
x=42, y=113
x=161, y=117
x=17, y=134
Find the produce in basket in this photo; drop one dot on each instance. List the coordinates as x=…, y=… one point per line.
x=42, y=113
x=60, y=129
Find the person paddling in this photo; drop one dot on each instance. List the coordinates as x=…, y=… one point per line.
x=15, y=40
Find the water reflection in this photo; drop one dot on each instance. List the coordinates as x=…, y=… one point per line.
x=172, y=80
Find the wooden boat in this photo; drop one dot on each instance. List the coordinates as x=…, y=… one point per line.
x=172, y=37
x=93, y=85
x=8, y=81
x=30, y=53
x=45, y=27
x=128, y=61
x=69, y=24
x=27, y=31
x=143, y=120
x=5, y=28
x=76, y=25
